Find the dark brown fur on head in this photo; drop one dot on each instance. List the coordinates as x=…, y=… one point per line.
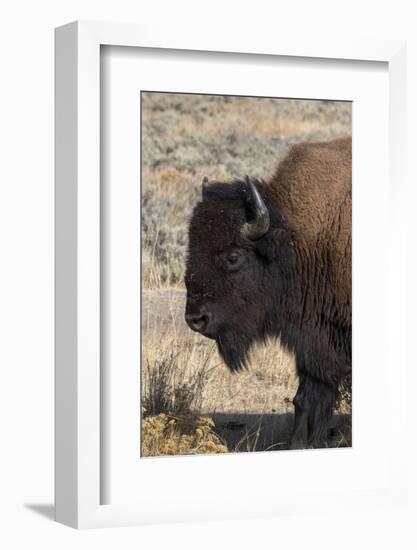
x=237, y=296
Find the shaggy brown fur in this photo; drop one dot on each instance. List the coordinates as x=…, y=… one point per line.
x=313, y=187
x=294, y=282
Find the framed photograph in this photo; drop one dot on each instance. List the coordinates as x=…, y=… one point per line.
x=228, y=217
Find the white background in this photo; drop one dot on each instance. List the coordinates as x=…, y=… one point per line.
x=26, y=275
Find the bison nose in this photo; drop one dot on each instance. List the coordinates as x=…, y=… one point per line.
x=198, y=321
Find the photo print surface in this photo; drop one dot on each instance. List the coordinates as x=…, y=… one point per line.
x=246, y=217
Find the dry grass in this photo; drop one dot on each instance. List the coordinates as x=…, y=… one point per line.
x=169, y=435
x=171, y=386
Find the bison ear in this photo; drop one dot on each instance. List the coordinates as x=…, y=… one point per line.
x=272, y=244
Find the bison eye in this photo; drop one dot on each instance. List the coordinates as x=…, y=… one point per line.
x=233, y=261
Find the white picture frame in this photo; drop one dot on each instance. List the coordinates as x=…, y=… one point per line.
x=78, y=405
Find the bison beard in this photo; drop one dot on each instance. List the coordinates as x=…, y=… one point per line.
x=292, y=276
x=234, y=349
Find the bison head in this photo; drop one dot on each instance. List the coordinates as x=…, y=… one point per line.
x=236, y=266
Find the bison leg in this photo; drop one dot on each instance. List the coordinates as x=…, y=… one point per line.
x=320, y=414
x=299, y=439
x=314, y=404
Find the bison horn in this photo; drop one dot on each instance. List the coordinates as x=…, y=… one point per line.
x=260, y=226
x=204, y=185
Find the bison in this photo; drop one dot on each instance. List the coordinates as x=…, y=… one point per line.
x=273, y=260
